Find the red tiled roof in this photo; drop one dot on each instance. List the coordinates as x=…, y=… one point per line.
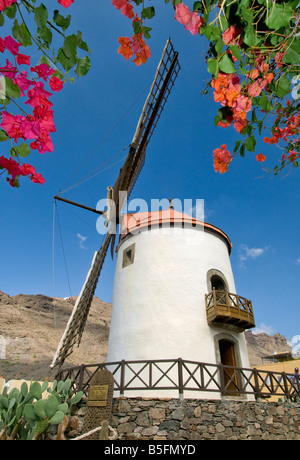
x=134, y=221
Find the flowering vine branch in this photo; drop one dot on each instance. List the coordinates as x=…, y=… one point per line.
x=253, y=60
x=28, y=86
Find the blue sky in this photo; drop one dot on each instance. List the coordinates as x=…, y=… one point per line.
x=95, y=119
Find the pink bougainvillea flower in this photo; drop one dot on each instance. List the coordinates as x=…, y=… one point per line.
x=190, y=19
x=43, y=70
x=38, y=96
x=278, y=59
x=140, y=49
x=11, y=45
x=23, y=82
x=8, y=71
x=2, y=45
x=65, y=3
x=37, y=178
x=125, y=7
x=43, y=144
x=55, y=83
x=14, y=169
x=230, y=36
x=12, y=125
x=222, y=159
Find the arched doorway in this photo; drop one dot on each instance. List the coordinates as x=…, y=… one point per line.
x=217, y=283
x=228, y=358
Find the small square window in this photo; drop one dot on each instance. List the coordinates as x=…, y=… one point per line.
x=128, y=256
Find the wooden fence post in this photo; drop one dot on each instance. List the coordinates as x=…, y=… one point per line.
x=180, y=378
x=122, y=377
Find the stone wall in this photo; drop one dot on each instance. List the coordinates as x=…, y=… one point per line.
x=194, y=419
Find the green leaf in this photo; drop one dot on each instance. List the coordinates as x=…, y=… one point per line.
x=3, y=136
x=279, y=15
x=70, y=46
x=148, y=13
x=146, y=32
x=21, y=33
x=23, y=150
x=61, y=21
x=283, y=86
x=41, y=15
x=223, y=23
x=226, y=64
x=236, y=147
x=80, y=43
x=219, y=46
x=213, y=66
x=249, y=36
x=236, y=52
x=10, y=11
x=66, y=62
x=265, y=104
x=293, y=53
x=11, y=89
x=83, y=66
x=250, y=143
x=45, y=33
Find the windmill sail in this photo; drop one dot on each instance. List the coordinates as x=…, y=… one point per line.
x=163, y=82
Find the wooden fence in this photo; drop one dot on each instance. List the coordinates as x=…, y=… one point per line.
x=183, y=375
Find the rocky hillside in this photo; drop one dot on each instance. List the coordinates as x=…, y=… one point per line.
x=32, y=326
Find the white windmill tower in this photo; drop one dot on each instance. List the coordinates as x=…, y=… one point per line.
x=174, y=295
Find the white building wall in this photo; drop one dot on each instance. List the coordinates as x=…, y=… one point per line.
x=158, y=306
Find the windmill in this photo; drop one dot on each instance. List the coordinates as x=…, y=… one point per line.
x=163, y=82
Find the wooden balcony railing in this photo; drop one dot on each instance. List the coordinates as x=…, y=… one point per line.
x=225, y=307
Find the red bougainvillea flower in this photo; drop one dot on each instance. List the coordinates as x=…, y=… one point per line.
x=65, y=3
x=190, y=19
x=222, y=159
x=260, y=157
x=55, y=83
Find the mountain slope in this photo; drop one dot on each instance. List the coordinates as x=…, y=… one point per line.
x=32, y=326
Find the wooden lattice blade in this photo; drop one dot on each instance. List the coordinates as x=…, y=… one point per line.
x=74, y=329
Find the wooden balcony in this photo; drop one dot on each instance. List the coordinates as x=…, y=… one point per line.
x=226, y=308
